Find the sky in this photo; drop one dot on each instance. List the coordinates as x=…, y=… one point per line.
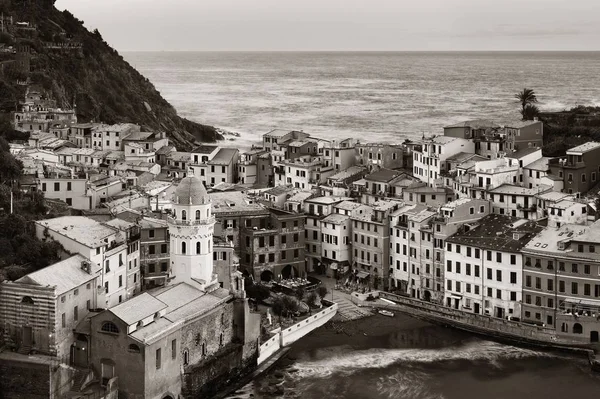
x=342, y=25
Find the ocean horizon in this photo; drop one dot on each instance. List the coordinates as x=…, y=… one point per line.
x=384, y=96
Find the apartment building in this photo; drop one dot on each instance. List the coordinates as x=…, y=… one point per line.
x=274, y=139
x=340, y=154
x=580, y=169
x=40, y=310
x=411, y=251
x=315, y=210
x=378, y=185
x=101, y=244
x=377, y=155
x=484, y=266
x=132, y=233
x=561, y=281
x=371, y=244
x=73, y=191
x=272, y=248
x=516, y=201
x=420, y=193
x=430, y=160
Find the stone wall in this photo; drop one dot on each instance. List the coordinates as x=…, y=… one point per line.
x=217, y=372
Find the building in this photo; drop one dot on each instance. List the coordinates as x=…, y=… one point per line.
x=101, y=244
x=561, y=286
x=580, y=169
x=132, y=233
x=272, y=247
x=273, y=140
x=40, y=310
x=484, y=267
x=430, y=160
x=377, y=155
x=371, y=244
x=516, y=201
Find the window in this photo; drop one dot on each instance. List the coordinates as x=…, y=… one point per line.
x=64, y=320
x=158, y=358
x=498, y=275
x=68, y=186
x=163, y=248
x=574, y=288
x=561, y=286
x=151, y=233
x=550, y=284
x=499, y=257
x=109, y=327
x=57, y=186
x=574, y=268
x=120, y=281
x=449, y=265
x=183, y=249
x=586, y=269
x=513, y=259
x=513, y=277
x=489, y=274
x=527, y=281
x=174, y=349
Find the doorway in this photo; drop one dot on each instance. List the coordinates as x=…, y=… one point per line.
x=27, y=337
x=476, y=308
x=594, y=336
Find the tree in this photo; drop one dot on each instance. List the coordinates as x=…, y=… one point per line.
x=258, y=292
x=322, y=290
x=530, y=112
x=526, y=97
x=299, y=293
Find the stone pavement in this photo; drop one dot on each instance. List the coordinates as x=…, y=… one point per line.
x=347, y=308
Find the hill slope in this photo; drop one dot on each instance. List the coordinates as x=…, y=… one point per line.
x=79, y=67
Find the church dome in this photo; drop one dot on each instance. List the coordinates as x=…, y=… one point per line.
x=191, y=191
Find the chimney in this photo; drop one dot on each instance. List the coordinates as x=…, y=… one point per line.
x=85, y=266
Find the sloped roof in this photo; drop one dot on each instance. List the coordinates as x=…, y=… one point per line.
x=138, y=308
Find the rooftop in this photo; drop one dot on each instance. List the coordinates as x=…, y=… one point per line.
x=496, y=232
x=327, y=200
x=278, y=133
x=64, y=275
x=523, y=152
x=589, y=146
x=383, y=175
x=225, y=156
x=336, y=218
x=80, y=229
x=165, y=149
x=553, y=196
x=475, y=124
x=279, y=190
x=234, y=201
x=138, y=308
x=348, y=205
x=180, y=156
x=518, y=190
x=539, y=164
x=518, y=124
x=346, y=173
x=204, y=149
x=120, y=224
x=464, y=156
x=566, y=204
x=546, y=241
x=457, y=203
x=301, y=196
x=440, y=140
x=191, y=191
x=139, y=136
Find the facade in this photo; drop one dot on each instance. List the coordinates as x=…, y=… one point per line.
x=484, y=266
x=101, y=244
x=430, y=160
x=371, y=244
x=580, y=169
x=40, y=310
x=376, y=155
x=273, y=247
x=561, y=287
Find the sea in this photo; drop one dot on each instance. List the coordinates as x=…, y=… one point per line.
x=374, y=96
x=385, y=97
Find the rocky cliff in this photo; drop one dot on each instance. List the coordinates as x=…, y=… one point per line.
x=43, y=46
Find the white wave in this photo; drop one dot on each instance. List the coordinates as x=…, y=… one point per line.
x=381, y=358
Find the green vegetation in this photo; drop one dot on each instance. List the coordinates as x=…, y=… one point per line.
x=95, y=77
x=285, y=306
x=527, y=98
x=570, y=128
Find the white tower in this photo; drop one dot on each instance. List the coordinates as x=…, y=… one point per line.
x=191, y=229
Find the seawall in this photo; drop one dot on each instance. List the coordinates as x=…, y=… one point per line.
x=500, y=329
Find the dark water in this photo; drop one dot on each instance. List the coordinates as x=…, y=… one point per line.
x=424, y=362
x=383, y=96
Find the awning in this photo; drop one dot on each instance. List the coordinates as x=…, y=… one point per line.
x=453, y=295
x=583, y=302
x=333, y=266
x=362, y=274
x=155, y=277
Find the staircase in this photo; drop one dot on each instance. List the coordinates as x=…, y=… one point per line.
x=24, y=350
x=79, y=379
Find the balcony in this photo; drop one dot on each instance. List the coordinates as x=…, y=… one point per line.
x=191, y=222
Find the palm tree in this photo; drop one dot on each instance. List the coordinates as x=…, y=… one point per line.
x=526, y=97
x=530, y=112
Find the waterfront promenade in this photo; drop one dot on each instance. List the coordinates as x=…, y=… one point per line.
x=348, y=308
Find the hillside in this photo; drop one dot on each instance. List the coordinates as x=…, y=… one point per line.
x=41, y=45
x=570, y=128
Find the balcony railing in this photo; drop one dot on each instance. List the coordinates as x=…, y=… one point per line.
x=191, y=222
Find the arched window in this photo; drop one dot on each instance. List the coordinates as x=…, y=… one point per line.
x=27, y=300
x=198, y=215
x=186, y=357
x=183, y=215
x=133, y=348
x=198, y=247
x=183, y=248
x=110, y=327
x=577, y=328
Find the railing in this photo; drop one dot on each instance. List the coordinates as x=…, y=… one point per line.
x=178, y=222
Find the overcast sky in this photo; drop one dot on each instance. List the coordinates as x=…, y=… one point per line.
x=342, y=24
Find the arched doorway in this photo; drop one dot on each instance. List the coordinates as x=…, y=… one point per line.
x=594, y=336
x=577, y=328
x=289, y=271
x=427, y=296
x=266, y=276
x=79, y=351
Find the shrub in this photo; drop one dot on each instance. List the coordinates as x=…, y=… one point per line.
x=322, y=290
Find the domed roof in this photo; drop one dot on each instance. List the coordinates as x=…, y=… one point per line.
x=191, y=191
